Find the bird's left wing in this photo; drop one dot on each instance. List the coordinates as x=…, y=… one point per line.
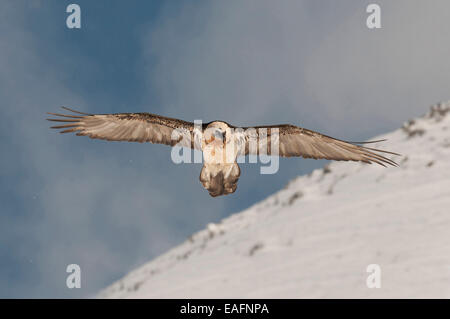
x=131, y=127
x=291, y=140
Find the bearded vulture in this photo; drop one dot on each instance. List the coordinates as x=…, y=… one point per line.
x=220, y=142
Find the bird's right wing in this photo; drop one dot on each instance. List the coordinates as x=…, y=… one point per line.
x=131, y=127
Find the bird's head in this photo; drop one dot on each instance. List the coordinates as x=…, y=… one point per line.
x=216, y=132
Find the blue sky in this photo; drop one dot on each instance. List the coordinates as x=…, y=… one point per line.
x=110, y=207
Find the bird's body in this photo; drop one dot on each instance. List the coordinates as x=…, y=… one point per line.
x=220, y=171
x=220, y=142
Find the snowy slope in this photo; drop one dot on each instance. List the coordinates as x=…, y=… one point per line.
x=316, y=237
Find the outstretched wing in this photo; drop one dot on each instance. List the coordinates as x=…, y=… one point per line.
x=296, y=141
x=131, y=127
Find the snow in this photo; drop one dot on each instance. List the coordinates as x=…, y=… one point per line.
x=316, y=237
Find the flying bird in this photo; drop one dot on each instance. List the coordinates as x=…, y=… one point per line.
x=220, y=142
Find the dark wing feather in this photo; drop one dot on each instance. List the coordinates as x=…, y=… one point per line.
x=131, y=127
x=297, y=141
